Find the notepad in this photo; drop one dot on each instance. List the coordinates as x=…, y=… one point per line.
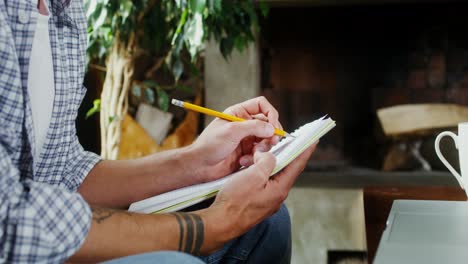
x=285, y=152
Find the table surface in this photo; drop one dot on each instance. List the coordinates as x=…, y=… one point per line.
x=380, y=189
x=414, y=226
x=378, y=202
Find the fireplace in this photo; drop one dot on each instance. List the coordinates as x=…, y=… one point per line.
x=350, y=60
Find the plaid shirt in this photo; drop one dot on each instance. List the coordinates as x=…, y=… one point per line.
x=42, y=217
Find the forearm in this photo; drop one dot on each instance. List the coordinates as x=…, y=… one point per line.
x=116, y=233
x=116, y=184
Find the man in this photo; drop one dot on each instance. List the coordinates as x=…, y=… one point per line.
x=59, y=203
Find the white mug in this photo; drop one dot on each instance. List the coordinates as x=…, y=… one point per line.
x=461, y=143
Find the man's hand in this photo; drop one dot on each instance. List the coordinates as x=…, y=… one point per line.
x=247, y=199
x=251, y=196
x=225, y=146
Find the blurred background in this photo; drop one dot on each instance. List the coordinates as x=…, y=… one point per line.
x=357, y=61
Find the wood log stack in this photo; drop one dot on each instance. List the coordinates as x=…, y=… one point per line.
x=412, y=128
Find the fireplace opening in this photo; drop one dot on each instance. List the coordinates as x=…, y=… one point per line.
x=348, y=61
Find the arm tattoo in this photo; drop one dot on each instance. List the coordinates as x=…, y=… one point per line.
x=191, y=229
x=200, y=233
x=181, y=230
x=101, y=214
x=189, y=239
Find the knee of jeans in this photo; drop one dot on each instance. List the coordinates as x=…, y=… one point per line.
x=281, y=218
x=276, y=238
x=278, y=227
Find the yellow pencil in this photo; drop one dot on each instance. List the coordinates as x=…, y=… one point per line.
x=224, y=116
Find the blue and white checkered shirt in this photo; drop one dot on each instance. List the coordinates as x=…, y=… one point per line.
x=42, y=217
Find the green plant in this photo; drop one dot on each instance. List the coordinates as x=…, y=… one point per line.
x=141, y=43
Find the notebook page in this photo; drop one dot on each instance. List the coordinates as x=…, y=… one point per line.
x=289, y=148
x=176, y=195
x=285, y=151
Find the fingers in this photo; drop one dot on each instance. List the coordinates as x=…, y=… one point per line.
x=236, y=131
x=248, y=159
x=247, y=145
x=275, y=139
x=288, y=176
x=261, y=117
x=264, y=163
x=260, y=171
x=255, y=107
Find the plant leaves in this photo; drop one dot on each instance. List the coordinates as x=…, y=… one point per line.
x=215, y=6
x=177, y=28
x=149, y=95
x=91, y=7
x=125, y=9
x=264, y=9
x=101, y=19
x=194, y=35
x=226, y=45
x=177, y=69
x=184, y=88
x=197, y=6
x=240, y=43
x=163, y=100
x=136, y=90
x=194, y=70
x=150, y=83
x=96, y=108
x=181, y=24
x=181, y=3
x=178, y=45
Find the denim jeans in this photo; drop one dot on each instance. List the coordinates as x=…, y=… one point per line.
x=267, y=242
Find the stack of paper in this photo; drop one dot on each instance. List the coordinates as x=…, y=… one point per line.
x=285, y=152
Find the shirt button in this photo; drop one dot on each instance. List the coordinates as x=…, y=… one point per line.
x=23, y=16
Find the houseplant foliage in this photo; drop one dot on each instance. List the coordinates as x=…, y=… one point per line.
x=156, y=45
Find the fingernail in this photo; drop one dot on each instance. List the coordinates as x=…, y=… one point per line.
x=269, y=128
x=260, y=148
x=276, y=139
x=258, y=154
x=243, y=162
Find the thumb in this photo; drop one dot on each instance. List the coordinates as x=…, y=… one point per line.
x=265, y=157
x=257, y=175
x=264, y=163
x=257, y=128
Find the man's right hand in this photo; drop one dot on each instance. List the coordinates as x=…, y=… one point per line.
x=251, y=195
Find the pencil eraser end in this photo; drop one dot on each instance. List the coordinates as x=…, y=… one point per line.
x=177, y=102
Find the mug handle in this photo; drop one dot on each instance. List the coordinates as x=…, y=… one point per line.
x=442, y=158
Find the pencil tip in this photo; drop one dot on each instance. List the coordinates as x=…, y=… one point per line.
x=286, y=134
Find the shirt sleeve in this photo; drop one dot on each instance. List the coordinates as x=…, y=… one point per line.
x=39, y=222
x=80, y=163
